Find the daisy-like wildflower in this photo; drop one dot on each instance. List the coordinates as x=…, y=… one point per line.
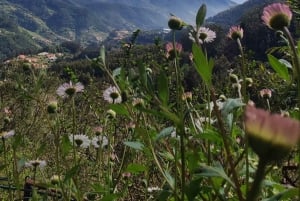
x=7, y=111
x=100, y=141
x=271, y=136
x=131, y=126
x=265, y=93
x=138, y=102
x=98, y=130
x=69, y=89
x=36, y=163
x=187, y=96
x=235, y=32
x=277, y=16
x=126, y=175
x=112, y=95
x=5, y=135
x=80, y=140
x=153, y=189
x=170, y=50
x=206, y=35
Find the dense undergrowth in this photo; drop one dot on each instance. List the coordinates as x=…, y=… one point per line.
x=154, y=123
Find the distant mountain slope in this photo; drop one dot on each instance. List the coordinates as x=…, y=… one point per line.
x=39, y=23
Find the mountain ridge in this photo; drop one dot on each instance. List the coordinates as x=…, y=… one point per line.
x=40, y=23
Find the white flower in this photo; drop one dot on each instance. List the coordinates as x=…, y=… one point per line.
x=152, y=189
x=69, y=89
x=80, y=140
x=6, y=135
x=206, y=35
x=100, y=141
x=36, y=163
x=112, y=95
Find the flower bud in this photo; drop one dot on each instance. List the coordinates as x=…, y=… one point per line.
x=52, y=107
x=111, y=114
x=175, y=23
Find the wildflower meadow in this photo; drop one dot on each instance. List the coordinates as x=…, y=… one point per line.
x=140, y=133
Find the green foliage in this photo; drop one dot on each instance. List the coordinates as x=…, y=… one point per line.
x=279, y=67
x=160, y=145
x=200, y=16
x=203, y=66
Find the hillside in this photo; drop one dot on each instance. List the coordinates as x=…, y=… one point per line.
x=28, y=25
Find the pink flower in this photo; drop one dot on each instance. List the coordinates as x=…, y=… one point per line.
x=265, y=93
x=171, y=50
x=277, y=16
x=270, y=135
x=235, y=32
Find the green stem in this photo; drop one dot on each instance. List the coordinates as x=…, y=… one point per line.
x=245, y=99
x=227, y=147
x=259, y=176
x=6, y=168
x=180, y=128
x=295, y=55
x=296, y=62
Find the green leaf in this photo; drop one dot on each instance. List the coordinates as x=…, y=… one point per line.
x=116, y=72
x=170, y=179
x=119, y=109
x=218, y=171
x=211, y=136
x=200, y=16
x=193, y=189
x=230, y=104
x=102, y=54
x=286, y=63
x=98, y=188
x=72, y=172
x=168, y=114
x=201, y=64
x=285, y=195
x=110, y=197
x=163, y=88
x=66, y=145
x=135, y=145
x=21, y=163
x=136, y=168
x=279, y=67
x=143, y=75
x=165, y=132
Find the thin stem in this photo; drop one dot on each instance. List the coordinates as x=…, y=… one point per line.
x=244, y=97
x=180, y=128
x=295, y=54
x=227, y=147
x=176, y=151
x=296, y=62
x=259, y=176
